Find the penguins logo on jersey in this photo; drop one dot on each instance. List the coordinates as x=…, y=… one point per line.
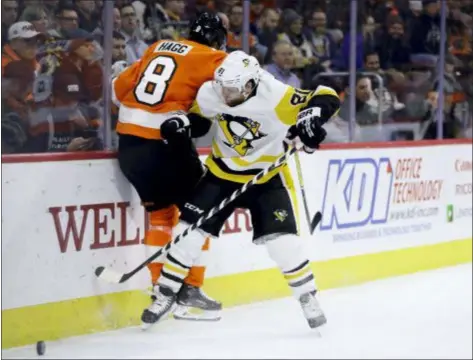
x=280, y=215
x=239, y=132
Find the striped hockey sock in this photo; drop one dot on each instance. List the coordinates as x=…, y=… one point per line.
x=173, y=273
x=301, y=278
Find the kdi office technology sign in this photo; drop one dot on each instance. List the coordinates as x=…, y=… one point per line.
x=369, y=197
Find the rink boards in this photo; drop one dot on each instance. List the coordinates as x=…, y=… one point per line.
x=387, y=211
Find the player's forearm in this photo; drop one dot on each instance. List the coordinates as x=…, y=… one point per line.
x=199, y=125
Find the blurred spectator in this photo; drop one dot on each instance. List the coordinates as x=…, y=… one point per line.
x=225, y=20
x=256, y=10
x=17, y=82
x=86, y=10
x=450, y=125
x=283, y=62
x=66, y=20
x=224, y=6
x=365, y=113
x=23, y=44
x=135, y=47
x=292, y=27
x=117, y=19
x=267, y=30
x=117, y=25
x=37, y=16
x=369, y=38
x=154, y=18
x=393, y=50
x=323, y=46
x=64, y=117
x=172, y=10
x=234, y=39
x=425, y=35
x=451, y=83
x=50, y=7
x=118, y=48
x=9, y=17
x=344, y=56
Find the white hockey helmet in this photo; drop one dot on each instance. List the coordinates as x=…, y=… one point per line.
x=237, y=76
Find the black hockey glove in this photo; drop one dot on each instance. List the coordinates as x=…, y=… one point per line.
x=311, y=133
x=175, y=128
x=307, y=134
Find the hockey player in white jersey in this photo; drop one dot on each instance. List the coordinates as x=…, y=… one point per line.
x=254, y=112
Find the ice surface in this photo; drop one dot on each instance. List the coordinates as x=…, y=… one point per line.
x=424, y=315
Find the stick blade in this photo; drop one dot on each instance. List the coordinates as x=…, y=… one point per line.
x=108, y=275
x=315, y=221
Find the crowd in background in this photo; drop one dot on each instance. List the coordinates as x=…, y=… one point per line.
x=53, y=70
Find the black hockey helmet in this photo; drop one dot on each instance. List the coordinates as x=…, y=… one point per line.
x=208, y=30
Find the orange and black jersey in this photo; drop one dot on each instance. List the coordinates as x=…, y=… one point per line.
x=164, y=81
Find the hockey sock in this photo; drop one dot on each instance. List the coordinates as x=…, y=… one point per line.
x=158, y=235
x=287, y=252
x=197, y=272
x=181, y=257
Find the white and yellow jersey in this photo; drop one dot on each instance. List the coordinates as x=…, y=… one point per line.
x=250, y=136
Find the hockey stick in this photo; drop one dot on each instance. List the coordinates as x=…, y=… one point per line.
x=112, y=276
x=318, y=215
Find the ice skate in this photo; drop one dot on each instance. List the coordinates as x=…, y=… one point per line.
x=164, y=302
x=312, y=311
x=194, y=304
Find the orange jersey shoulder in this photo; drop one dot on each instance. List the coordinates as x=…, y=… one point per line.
x=167, y=77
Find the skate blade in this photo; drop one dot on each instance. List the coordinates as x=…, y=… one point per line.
x=317, y=324
x=194, y=314
x=145, y=326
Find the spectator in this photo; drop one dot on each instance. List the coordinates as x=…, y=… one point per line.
x=135, y=47
x=384, y=99
x=152, y=13
x=224, y=6
x=411, y=15
x=118, y=48
x=37, y=16
x=369, y=37
x=9, y=17
x=267, y=31
x=283, y=62
x=17, y=83
x=23, y=44
x=425, y=36
x=50, y=7
x=451, y=84
x=225, y=20
x=323, y=46
x=234, y=39
x=344, y=56
x=86, y=10
x=64, y=117
x=450, y=125
x=66, y=20
x=371, y=62
x=365, y=113
x=173, y=10
x=117, y=24
x=117, y=19
x=256, y=10
x=292, y=27
x=392, y=48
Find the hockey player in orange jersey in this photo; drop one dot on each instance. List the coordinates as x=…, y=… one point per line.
x=153, y=96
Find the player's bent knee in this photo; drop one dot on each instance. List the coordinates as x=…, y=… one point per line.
x=190, y=246
x=286, y=250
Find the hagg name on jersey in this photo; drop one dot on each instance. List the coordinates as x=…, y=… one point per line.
x=239, y=132
x=173, y=47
